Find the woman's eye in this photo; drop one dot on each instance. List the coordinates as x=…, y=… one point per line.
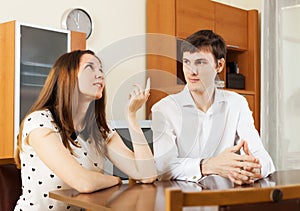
x=89, y=67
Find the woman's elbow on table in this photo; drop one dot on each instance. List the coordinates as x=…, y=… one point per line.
x=148, y=180
x=145, y=178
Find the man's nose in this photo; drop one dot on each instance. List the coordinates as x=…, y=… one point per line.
x=193, y=69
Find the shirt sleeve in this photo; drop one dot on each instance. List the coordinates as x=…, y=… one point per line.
x=247, y=131
x=169, y=164
x=38, y=119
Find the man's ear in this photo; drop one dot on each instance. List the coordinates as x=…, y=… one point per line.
x=220, y=65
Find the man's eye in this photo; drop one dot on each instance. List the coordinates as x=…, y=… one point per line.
x=186, y=61
x=201, y=62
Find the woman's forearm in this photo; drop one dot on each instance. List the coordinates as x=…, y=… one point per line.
x=143, y=155
x=91, y=181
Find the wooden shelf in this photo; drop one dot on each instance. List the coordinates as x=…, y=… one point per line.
x=242, y=91
x=7, y=161
x=235, y=48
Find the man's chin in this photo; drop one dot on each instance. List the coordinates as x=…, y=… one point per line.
x=196, y=88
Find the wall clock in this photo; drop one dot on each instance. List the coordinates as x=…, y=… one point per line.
x=78, y=20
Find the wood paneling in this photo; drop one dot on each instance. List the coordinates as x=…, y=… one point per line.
x=254, y=62
x=7, y=67
x=251, y=101
x=5, y=161
x=192, y=15
x=161, y=48
x=161, y=17
x=78, y=41
x=232, y=24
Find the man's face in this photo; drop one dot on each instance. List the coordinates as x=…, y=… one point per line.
x=199, y=70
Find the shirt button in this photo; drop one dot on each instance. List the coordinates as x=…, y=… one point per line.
x=194, y=177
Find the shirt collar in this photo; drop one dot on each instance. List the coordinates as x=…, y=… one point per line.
x=187, y=100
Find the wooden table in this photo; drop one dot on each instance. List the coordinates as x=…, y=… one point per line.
x=149, y=197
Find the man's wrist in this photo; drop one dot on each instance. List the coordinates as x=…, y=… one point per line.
x=201, y=164
x=205, y=168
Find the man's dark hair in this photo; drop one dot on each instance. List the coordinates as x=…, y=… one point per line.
x=205, y=40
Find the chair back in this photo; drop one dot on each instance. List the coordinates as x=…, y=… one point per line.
x=10, y=186
x=273, y=197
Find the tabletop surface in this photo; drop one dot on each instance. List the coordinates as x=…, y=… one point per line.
x=151, y=196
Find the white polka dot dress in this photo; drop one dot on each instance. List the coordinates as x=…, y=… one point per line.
x=37, y=179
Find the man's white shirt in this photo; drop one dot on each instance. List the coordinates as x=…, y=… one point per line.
x=183, y=134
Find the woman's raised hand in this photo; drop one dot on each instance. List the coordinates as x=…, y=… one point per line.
x=138, y=97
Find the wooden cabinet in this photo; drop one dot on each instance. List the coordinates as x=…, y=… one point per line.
x=194, y=15
x=251, y=101
x=15, y=54
x=229, y=22
x=232, y=24
x=238, y=27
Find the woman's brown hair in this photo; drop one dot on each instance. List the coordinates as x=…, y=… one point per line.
x=58, y=95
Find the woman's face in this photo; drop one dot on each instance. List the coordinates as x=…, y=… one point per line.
x=90, y=77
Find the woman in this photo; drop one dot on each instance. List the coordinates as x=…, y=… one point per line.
x=63, y=139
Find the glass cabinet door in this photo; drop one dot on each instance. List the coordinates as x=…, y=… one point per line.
x=39, y=50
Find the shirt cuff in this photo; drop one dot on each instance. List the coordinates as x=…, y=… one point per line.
x=267, y=169
x=192, y=170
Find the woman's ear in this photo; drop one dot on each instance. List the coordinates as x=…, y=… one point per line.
x=220, y=65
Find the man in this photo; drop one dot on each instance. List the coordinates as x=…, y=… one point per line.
x=203, y=130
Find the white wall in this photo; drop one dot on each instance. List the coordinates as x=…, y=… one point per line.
x=290, y=92
x=243, y=4
x=115, y=22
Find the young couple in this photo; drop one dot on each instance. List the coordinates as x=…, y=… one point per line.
x=200, y=131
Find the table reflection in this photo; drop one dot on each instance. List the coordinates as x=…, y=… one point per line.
x=150, y=197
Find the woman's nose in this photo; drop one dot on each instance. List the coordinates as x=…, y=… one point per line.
x=99, y=76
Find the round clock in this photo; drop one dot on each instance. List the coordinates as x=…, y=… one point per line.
x=78, y=20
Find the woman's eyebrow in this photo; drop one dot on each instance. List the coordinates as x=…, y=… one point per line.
x=89, y=63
